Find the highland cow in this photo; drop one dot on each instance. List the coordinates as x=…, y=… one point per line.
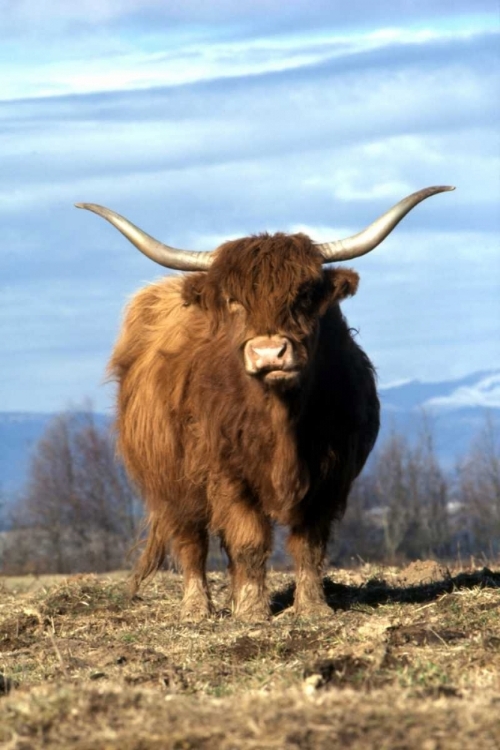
x=245, y=401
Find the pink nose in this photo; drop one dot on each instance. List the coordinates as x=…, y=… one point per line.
x=268, y=353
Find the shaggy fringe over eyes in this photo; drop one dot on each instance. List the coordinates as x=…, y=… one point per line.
x=279, y=279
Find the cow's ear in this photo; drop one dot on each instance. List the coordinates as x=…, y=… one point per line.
x=192, y=288
x=343, y=283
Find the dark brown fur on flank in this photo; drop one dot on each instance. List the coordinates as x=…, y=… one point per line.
x=215, y=449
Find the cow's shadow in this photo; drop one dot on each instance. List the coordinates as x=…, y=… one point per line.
x=377, y=591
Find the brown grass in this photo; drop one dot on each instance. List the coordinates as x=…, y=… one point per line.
x=409, y=659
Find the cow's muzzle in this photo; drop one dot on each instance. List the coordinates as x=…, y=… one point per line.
x=273, y=357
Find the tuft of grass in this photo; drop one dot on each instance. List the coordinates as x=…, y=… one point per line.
x=84, y=594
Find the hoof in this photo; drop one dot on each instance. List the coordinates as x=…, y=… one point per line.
x=285, y=614
x=317, y=610
x=257, y=613
x=251, y=604
x=196, y=611
x=262, y=616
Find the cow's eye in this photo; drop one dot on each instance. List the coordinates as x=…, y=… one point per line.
x=308, y=300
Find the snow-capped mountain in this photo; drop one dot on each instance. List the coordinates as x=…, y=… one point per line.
x=477, y=390
x=484, y=394
x=455, y=409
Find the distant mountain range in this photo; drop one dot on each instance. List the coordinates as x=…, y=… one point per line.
x=455, y=409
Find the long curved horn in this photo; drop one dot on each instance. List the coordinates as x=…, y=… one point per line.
x=374, y=234
x=170, y=257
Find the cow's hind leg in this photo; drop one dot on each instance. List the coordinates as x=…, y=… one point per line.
x=247, y=537
x=190, y=549
x=307, y=545
x=189, y=545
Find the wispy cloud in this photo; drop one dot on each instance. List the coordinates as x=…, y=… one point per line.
x=164, y=60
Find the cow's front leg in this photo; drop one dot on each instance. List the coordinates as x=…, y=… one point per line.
x=307, y=545
x=247, y=538
x=190, y=549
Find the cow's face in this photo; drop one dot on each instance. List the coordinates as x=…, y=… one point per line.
x=268, y=294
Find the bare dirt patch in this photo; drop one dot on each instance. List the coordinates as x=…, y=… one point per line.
x=421, y=572
x=398, y=665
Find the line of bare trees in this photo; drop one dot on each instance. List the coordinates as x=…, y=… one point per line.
x=405, y=507
x=80, y=513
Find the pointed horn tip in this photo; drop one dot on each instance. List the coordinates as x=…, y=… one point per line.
x=91, y=206
x=434, y=190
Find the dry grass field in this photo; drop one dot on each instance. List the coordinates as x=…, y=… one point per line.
x=408, y=659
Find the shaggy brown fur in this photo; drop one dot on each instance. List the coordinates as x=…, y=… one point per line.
x=216, y=450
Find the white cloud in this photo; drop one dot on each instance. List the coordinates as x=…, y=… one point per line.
x=109, y=64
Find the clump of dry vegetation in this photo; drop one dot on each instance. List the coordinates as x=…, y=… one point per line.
x=408, y=659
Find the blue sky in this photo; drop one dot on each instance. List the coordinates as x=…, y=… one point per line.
x=204, y=121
